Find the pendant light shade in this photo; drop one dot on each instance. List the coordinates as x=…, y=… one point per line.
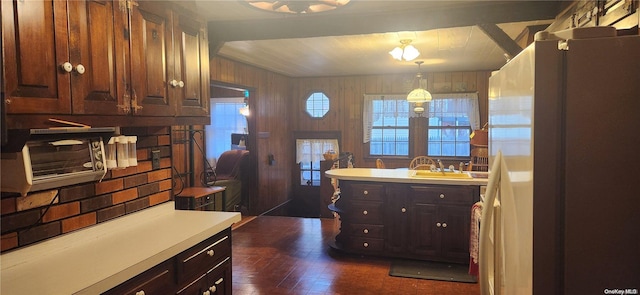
x=420, y=95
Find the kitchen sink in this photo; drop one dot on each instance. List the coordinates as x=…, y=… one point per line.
x=446, y=174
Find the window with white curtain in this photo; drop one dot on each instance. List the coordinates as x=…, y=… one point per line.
x=309, y=153
x=225, y=119
x=452, y=117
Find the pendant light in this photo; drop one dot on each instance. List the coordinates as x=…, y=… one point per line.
x=419, y=95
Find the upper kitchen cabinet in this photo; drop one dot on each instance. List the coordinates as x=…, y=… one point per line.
x=191, y=66
x=169, y=55
x=123, y=62
x=61, y=57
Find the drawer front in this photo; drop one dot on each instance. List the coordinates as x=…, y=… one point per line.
x=364, y=230
x=200, y=258
x=156, y=280
x=462, y=195
x=215, y=281
x=364, y=245
x=364, y=212
x=365, y=191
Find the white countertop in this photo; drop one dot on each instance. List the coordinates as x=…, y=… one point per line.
x=97, y=258
x=400, y=176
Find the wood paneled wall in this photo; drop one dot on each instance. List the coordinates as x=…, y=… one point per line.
x=346, y=97
x=270, y=129
x=278, y=110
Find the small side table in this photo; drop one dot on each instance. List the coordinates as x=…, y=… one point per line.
x=200, y=198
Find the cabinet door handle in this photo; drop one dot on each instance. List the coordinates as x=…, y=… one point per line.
x=174, y=83
x=366, y=231
x=438, y=224
x=404, y=210
x=219, y=281
x=365, y=212
x=141, y=292
x=211, y=253
x=441, y=196
x=213, y=288
x=206, y=293
x=365, y=192
x=365, y=244
x=68, y=67
x=80, y=69
x=444, y=224
x=181, y=84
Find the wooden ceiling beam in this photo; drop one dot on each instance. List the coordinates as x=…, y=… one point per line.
x=480, y=12
x=501, y=38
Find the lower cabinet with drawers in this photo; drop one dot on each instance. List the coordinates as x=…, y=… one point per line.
x=204, y=269
x=416, y=221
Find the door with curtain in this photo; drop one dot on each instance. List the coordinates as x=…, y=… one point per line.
x=307, y=173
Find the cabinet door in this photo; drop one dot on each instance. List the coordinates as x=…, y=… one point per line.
x=151, y=44
x=425, y=234
x=397, y=220
x=35, y=43
x=455, y=229
x=98, y=47
x=191, y=73
x=156, y=280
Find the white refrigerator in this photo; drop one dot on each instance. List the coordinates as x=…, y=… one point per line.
x=563, y=214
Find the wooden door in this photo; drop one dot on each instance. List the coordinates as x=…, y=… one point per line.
x=455, y=229
x=191, y=73
x=35, y=43
x=151, y=44
x=98, y=47
x=396, y=219
x=424, y=234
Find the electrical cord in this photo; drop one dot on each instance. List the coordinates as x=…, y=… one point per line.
x=45, y=211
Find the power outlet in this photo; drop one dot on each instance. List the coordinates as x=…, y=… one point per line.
x=155, y=159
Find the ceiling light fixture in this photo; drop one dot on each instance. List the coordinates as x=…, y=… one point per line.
x=419, y=95
x=298, y=7
x=405, y=51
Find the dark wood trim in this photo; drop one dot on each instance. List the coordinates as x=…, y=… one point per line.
x=30, y=121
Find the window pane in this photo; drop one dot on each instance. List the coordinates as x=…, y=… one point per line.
x=225, y=119
x=390, y=132
x=449, y=128
x=317, y=104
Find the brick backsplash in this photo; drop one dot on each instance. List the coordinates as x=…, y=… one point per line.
x=26, y=220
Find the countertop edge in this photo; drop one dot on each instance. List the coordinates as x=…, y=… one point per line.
x=396, y=176
x=41, y=267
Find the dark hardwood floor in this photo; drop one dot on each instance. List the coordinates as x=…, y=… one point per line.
x=290, y=255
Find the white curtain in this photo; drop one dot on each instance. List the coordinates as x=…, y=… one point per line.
x=466, y=102
x=368, y=113
x=311, y=150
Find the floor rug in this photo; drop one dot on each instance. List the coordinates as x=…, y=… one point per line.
x=431, y=271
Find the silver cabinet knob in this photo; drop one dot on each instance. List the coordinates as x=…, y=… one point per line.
x=404, y=210
x=441, y=196
x=444, y=224
x=438, y=224
x=68, y=67
x=366, y=231
x=365, y=244
x=80, y=69
x=365, y=192
x=365, y=212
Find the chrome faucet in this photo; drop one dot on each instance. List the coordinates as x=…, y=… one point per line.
x=441, y=167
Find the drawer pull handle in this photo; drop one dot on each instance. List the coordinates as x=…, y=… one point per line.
x=365, y=244
x=219, y=281
x=444, y=224
x=441, y=196
x=366, y=192
x=211, y=253
x=438, y=224
x=366, y=231
x=206, y=293
x=404, y=210
x=213, y=288
x=140, y=292
x=365, y=212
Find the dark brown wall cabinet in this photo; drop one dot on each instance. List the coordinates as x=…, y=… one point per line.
x=104, y=58
x=429, y=222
